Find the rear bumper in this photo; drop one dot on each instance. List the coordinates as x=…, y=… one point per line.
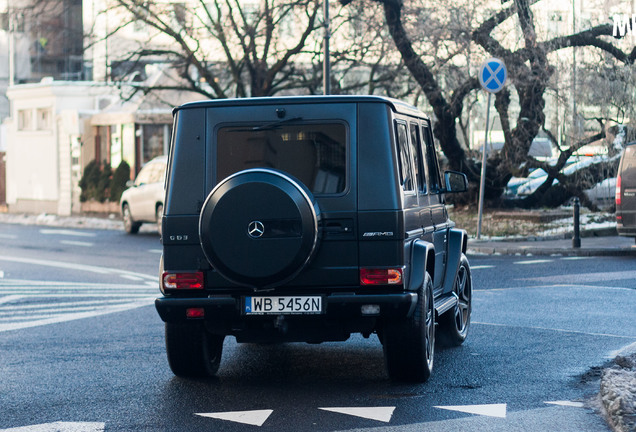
x=342, y=315
x=629, y=231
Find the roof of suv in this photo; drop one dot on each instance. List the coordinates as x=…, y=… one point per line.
x=395, y=104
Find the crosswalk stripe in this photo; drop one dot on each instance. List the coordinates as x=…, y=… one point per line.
x=72, y=316
x=30, y=303
x=38, y=306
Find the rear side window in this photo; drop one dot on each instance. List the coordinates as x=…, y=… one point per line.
x=431, y=160
x=406, y=176
x=316, y=154
x=416, y=151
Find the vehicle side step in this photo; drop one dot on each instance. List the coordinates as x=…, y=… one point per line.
x=445, y=303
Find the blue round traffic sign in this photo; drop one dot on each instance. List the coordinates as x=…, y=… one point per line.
x=492, y=75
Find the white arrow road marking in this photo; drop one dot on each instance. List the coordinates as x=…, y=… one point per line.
x=254, y=418
x=382, y=414
x=566, y=403
x=60, y=427
x=492, y=410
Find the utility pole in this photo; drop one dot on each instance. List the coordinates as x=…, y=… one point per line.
x=326, y=70
x=575, y=129
x=11, y=47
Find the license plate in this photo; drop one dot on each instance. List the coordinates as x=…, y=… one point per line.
x=283, y=305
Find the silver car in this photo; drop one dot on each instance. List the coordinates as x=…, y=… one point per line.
x=143, y=201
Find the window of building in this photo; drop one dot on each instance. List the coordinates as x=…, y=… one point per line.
x=43, y=119
x=155, y=141
x=25, y=119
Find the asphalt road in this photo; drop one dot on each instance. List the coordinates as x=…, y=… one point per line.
x=81, y=348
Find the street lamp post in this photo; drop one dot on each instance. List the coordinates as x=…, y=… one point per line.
x=11, y=48
x=326, y=83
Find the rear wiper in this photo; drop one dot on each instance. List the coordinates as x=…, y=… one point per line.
x=275, y=124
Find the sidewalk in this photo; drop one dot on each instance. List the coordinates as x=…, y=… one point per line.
x=602, y=245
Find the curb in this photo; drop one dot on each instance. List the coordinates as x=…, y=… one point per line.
x=493, y=250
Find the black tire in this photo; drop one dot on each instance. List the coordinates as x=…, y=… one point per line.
x=130, y=226
x=270, y=217
x=409, y=344
x=454, y=324
x=159, y=217
x=192, y=351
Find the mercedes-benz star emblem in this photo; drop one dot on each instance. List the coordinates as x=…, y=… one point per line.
x=256, y=229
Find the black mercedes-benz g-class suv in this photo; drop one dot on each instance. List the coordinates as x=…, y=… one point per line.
x=308, y=219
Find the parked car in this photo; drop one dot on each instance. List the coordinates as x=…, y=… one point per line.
x=142, y=202
x=512, y=188
x=626, y=192
x=308, y=219
x=601, y=194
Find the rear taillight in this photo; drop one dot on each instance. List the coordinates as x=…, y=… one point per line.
x=374, y=276
x=182, y=281
x=618, y=190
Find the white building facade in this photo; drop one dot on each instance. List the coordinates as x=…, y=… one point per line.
x=44, y=144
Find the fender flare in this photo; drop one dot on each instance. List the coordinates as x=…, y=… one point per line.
x=421, y=252
x=457, y=245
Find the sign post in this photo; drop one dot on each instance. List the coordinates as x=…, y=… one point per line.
x=492, y=77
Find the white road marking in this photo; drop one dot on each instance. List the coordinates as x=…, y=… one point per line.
x=73, y=316
x=575, y=258
x=555, y=330
x=48, y=302
x=60, y=427
x=157, y=251
x=537, y=261
x=67, y=232
x=566, y=403
x=254, y=418
x=8, y=236
x=479, y=267
x=133, y=278
x=382, y=414
x=77, y=243
x=1, y=274
x=74, y=266
x=10, y=298
x=588, y=277
x=492, y=410
x=40, y=306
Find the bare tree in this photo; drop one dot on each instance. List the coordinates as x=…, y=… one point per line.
x=530, y=71
x=223, y=48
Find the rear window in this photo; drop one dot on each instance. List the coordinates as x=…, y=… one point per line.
x=315, y=154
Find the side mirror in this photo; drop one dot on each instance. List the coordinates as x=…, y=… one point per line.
x=455, y=182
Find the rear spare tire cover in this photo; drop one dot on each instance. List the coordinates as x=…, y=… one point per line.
x=259, y=227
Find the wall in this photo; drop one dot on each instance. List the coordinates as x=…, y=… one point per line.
x=43, y=138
